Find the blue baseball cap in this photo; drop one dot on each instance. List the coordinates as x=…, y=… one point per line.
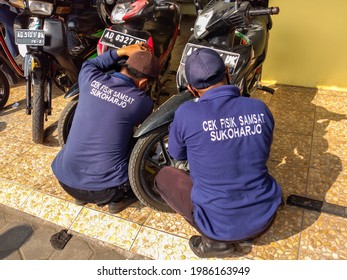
x=204, y=68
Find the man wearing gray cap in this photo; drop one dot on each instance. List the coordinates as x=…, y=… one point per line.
x=93, y=164
x=229, y=195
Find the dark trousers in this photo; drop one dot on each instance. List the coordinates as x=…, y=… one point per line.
x=99, y=198
x=175, y=186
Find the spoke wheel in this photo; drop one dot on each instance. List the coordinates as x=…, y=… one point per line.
x=148, y=157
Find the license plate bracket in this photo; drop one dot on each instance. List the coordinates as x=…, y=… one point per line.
x=30, y=37
x=118, y=39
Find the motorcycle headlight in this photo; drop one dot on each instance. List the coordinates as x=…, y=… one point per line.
x=40, y=7
x=119, y=11
x=201, y=22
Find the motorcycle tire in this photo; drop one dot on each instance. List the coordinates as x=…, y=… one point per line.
x=38, y=112
x=65, y=121
x=4, y=90
x=150, y=155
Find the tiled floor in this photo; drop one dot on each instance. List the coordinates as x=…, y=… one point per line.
x=309, y=157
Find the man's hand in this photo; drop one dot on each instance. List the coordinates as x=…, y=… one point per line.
x=128, y=50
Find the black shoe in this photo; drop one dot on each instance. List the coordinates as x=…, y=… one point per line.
x=213, y=249
x=117, y=206
x=80, y=202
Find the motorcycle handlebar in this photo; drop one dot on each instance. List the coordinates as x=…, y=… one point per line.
x=167, y=7
x=264, y=11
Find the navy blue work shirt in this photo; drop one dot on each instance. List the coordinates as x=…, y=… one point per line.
x=226, y=140
x=97, y=151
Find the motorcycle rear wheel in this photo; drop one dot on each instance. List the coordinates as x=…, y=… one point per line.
x=4, y=90
x=65, y=121
x=150, y=155
x=38, y=112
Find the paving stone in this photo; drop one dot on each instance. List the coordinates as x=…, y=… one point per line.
x=11, y=254
x=3, y=221
x=25, y=237
x=14, y=235
x=38, y=246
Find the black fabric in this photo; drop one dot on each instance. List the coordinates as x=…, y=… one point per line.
x=60, y=239
x=101, y=197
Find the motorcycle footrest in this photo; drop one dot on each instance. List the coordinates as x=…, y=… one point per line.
x=267, y=89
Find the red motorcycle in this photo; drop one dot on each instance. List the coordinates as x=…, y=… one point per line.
x=11, y=72
x=130, y=22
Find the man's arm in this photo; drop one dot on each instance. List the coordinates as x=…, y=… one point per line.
x=107, y=60
x=177, y=148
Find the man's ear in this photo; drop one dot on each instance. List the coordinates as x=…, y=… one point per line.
x=193, y=91
x=227, y=74
x=142, y=83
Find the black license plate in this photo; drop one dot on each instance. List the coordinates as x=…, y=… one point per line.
x=230, y=58
x=30, y=37
x=118, y=39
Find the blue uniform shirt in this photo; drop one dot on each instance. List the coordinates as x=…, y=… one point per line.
x=96, y=154
x=226, y=139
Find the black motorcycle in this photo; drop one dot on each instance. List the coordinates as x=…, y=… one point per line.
x=239, y=32
x=59, y=35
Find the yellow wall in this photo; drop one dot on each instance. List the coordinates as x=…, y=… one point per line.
x=308, y=44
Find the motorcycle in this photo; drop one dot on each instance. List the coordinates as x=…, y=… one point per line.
x=11, y=72
x=239, y=32
x=54, y=37
x=156, y=24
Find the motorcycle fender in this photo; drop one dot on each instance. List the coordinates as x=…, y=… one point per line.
x=34, y=64
x=164, y=114
x=27, y=64
x=73, y=91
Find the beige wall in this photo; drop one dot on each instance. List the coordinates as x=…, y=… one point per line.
x=308, y=44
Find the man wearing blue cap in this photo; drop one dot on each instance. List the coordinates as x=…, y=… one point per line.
x=229, y=195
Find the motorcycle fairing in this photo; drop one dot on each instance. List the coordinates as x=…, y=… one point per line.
x=56, y=46
x=136, y=7
x=164, y=114
x=73, y=91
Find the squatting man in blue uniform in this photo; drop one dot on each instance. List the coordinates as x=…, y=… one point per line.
x=229, y=195
x=93, y=164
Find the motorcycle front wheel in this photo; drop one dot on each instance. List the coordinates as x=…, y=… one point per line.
x=148, y=157
x=65, y=121
x=38, y=112
x=4, y=90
